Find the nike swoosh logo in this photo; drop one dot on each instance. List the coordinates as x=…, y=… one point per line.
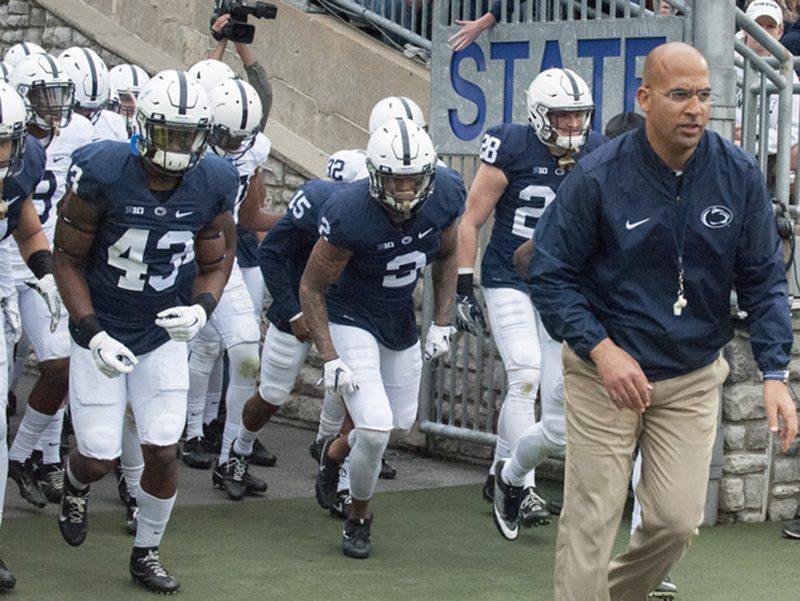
x=13, y=200
x=57, y=159
x=629, y=226
x=421, y=235
x=179, y=214
x=53, y=444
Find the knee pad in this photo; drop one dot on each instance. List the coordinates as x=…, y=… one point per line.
x=164, y=431
x=244, y=364
x=554, y=432
x=100, y=442
x=203, y=355
x=371, y=442
x=523, y=384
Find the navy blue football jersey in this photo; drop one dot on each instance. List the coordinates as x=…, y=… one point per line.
x=375, y=289
x=141, y=243
x=285, y=250
x=533, y=179
x=16, y=189
x=246, y=241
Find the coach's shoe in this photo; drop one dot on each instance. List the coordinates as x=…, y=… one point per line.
x=791, y=529
x=73, y=515
x=122, y=485
x=147, y=570
x=327, y=477
x=261, y=456
x=341, y=508
x=505, y=507
x=665, y=590
x=7, y=579
x=132, y=516
x=24, y=476
x=50, y=477
x=195, y=455
x=355, y=538
x=488, y=489
x=533, y=509
x=388, y=472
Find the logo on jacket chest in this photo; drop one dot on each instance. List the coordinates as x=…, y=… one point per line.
x=716, y=217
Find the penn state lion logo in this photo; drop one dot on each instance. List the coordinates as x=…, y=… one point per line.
x=716, y=217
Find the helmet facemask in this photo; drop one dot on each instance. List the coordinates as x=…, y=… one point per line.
x=170, y=148
x=401, y=195
x=49, y=104
x=565, y=129
x=231, y=144
x=12, y=149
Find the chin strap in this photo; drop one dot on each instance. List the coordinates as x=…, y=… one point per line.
x=566, y=162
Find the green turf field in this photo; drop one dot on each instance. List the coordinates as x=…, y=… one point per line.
x=435, y=544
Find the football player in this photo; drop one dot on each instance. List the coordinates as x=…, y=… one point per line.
x=521, y=170
x=48, y=94
x=19, y=52
x=127, y=81
x=22, y=166
x=377, y=235
x=129, y=224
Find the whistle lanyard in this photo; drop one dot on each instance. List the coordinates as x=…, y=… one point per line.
x=681, y=211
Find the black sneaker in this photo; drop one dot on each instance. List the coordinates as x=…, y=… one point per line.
x=505, y=507
x=488, y=489
x=251, y=484
x=327, y=477
x=315, y=448
x=24, y=476
x=7, y=579
x=195, y=455
x=665, y=590
x=212, y=436
x=533, y=509
x=132, y=516
x=73, y=515
x=341, y=508
x=50, y=477
x=355, y=538
x=122, y=485
x=261, y=456
x=388, y=472
x=147, y=570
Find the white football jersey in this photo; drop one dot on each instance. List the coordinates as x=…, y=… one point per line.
x=51, y=189
x=347, y=165
x=110, y=126
x=247, y=165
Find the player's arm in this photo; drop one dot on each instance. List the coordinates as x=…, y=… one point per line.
x=324, y=266
x=252, y=214
x=28, y=234
x=215, y=250
x=522, y=258
x=444, y=271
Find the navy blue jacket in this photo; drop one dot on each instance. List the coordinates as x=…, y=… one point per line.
x=606, y=257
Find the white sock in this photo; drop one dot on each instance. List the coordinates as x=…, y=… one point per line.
x=131, y=460
x=244, y=441
x=331, y=417
x=74, y=482
x=30, y=430
x=214, y=391
x=344, y=475
x=50, y=440
x=153, y=517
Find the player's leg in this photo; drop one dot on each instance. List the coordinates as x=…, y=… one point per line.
x=513, y=326
x=677, y=440
x=97, y=407
x=158, y=389
x=254, y=280
x=7, y=579
x=131, y=463
x=213, y=421
x=205, y=351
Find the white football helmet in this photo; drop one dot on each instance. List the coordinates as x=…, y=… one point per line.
x=173, y=115
x=128, y=80
x=237, y=117
x=18, y=52
x=393, y=107
x=5, y=71
x=46, y=89
x=553, y=93
x=401, y=162
x=13, y=117
x=112, y=101
x=90, y=75
x=210, y=72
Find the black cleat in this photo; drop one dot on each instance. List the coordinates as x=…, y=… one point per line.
x=388, y=472
x=73, y=514
x=505, y=507
x=235, y=480
x=327, y=477
x=665, y=590
x=7, y=579
x=791, y=529
x=24, y=476
x=355, y=538
x=147, y=570
x=341, y=508
x=195, y=454
x=488, y=489
x=122, y=485
x=212, y=436
x=533, y=509
x=50, y=477
x=261, y=456
x=315, y=448
x=131, y=516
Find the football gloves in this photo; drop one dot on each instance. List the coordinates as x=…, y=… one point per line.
x=182, y=323
x=111, y=356
x=339, y=379
x=437, y=341
x=47, y=289
x=12, y=318
x=469, y=314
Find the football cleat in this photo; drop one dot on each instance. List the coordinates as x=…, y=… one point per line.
x=7, y=579
x=388, y=472
x=261, y=456
x=505, y=507
x=665, y=590
x=122, y=485
x=252, y=485
x=488, y=489
x=147, y=570
x=24, y=476
x=212, y=436
x=327, y=477
x=195, y=454
x=315, y=448
x=533, y=509
x=131, y=516
x=341, y=508
x=355, y=538
x=791, y=529
x=50, y=477
x=73, y=514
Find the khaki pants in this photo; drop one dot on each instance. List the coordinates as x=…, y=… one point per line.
x=676, y=435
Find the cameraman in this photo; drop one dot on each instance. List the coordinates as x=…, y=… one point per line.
x=256, y=75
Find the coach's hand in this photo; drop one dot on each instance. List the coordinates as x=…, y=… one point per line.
x=47, y=289
x=339, y=379
x=182, y=323
x=111, y=356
